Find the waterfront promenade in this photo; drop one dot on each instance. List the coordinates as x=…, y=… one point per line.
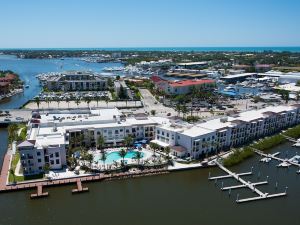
x=4, y=187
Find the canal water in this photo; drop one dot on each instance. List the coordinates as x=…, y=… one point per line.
x=29, y=68
x=179, y=198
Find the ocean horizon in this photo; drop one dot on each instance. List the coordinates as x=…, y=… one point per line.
x=294, y=49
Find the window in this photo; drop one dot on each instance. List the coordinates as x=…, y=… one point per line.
x=57, y=161
x=51, y=156
x=51, y=162
x=40, y=168
x=56, y=154
x=98, y=132
x=38, y=153
x=39, y=160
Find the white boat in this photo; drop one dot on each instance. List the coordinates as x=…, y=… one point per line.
x=266, y=160
x=284, y=164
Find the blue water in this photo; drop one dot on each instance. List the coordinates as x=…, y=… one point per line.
x=184, y=49
x=29, y=68
x=114, y=156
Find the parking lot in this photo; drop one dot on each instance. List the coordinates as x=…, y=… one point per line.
x=73, y=95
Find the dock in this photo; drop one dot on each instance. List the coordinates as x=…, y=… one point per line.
x=79, y=188
x=245, y=184
x=288, y=161
x=40, y=193
x=289, y=138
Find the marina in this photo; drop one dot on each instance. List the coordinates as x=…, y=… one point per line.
x=245, y=184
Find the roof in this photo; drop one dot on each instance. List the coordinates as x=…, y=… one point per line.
x=239, y=75
x=156, y=79
x=192, y=63
x=190, y=83
x=26, y=144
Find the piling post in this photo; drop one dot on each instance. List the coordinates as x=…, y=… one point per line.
x=276, y=185
x=286, y=189
x=252, y=169
x=216, y=180
x=267, y=178
x=209, y=174
x=229, y=192
x=237, y=196
x=222, y=185
x=258, y=175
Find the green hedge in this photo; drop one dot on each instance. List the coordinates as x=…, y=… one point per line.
x=293, y=132
x=269, y=142
x=238, y=156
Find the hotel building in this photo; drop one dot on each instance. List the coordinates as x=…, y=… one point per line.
x=51, y=135
x=76, y=81
x=221, y=134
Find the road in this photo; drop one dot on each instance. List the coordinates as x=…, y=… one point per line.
x=150, y=103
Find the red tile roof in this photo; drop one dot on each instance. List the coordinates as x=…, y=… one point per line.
x=156, y=79
x=190, y=83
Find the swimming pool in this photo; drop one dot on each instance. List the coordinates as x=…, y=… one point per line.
x=114, y=156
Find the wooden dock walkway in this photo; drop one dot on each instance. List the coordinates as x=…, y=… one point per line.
x=79, y=188
x=66, y=181
x=275, y=157
x=40, y=193
x=245, y=184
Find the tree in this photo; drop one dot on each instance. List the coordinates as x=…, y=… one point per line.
x=103, y=157
x=100, y=142
x=178, y=109
x=46, y=168
x=122, y=154
x=97, y=98
x=88, y=101
x=48, y=100
x=90, y=158
x=106, y=101
x=153, y=112
x=138, y=156
x=77, y=101
x=37, y=101
x=68, y=102
x=154, y=147
x=128, y=141
x=118, y=77
x=12, y=132
x=167, y=151
x=12, y=172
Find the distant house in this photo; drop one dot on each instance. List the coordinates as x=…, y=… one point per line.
x=181, y=87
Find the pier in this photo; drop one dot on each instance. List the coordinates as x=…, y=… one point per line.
x=289, y=138
x=40, y=193
x=79, y=188
x=273, y=156
x=245, y=184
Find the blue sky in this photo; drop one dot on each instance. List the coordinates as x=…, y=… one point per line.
x=148, y=23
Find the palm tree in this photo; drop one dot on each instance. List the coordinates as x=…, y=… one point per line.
x=37, y=101
x=184, y=110
x=97, y=100
x=122, y=154
x=138, y=156
x=128, y=140
x=154, y=147
x=103, y=157
x=90, y=158
x=46, y=168
x=178, y=109
x=48, y=100
x=68, y=102
x=167, y=151
x=77, y=101
x=12, y=172
x=100, y=142
x=88, y=101
x=106, y=101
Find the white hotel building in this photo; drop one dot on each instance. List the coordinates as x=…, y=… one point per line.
x=50, y=135
x=221, y=134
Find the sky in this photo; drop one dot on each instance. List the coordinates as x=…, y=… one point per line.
x=148, y=23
